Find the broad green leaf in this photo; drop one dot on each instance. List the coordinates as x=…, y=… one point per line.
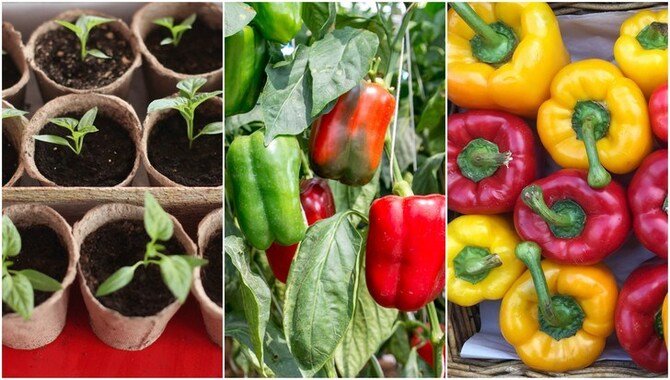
x=66, y=122
x=319, y=17
x=53, y=140
x=191, y=85
x=11, y=240
x=72, y=27
x=12, y=112
x=320, y=292
x=411, y=369
x=41, y=281
x=177, y=275
x=88, y=119
x=166, y=41
x=157, y=222
x=166, y=103
x=21, y=297
x=236, y=17
x=167, y=22
x=399, y=345
x=214, y=128
x=97, y=54
x=256, y=296
x=122, y=277
x=433, y=113
x=355, y=198
x=193, y=261
x=426, y=179
x=339, y=62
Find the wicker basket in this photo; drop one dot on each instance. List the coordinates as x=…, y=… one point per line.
x=464, y=322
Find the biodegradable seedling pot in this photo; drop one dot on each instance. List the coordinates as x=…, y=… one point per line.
x=112, y=327
x=13, y=129
x=50, y=89
x=212, y=313
x=48, y=318
x=110, y=108
x=13, y=46
x=161, y=80
x=162, y=177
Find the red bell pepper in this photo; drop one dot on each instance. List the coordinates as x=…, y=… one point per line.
x=658, y=112
x=405, y=252
x=346, y=144
x=317, y=203
x=637, y=318
x=490, y=158
x=648, y=198
x=573, y=222
x=425, y=347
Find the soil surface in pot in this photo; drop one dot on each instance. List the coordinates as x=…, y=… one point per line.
x=199, y=50
x=123, y=243
x=10, y=159
x=106, y=159
x=58, y=53
x=212, y=273
x=43, y=251
x=200, y=165
x=10, y=73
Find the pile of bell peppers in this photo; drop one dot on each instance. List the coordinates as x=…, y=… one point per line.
x=538, y=241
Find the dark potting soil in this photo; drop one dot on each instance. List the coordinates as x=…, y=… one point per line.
x=212, y=277
x=43, y=251
x=106, y=159
x=58, y=53
x=123, y=243
x=169, y=153
x=10, y=159
x=10, y=73
x=199, y=50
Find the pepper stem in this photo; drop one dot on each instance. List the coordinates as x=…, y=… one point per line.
x=529, y=253
x=490, y=37
x=665, y=204
x=533, y=197
x=481, y=159
x=598, y=177
x=483, y=265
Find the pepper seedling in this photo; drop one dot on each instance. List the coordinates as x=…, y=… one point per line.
x=176, y=270
x=12, y=112
x=177, y=31
x=18, y=285
x=82, y=28
x=78, y=129
x=186, y=103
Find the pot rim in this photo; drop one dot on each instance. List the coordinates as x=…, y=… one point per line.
x=22, y=123
x=25, y=75
x=215, y=220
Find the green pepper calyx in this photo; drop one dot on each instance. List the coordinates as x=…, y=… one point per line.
x=654, y=36
x=481, y=159
x=566, y=218
x=473, y=264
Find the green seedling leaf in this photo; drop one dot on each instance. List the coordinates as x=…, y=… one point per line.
x=88, y=118
x=214, y=128
x=122, y=277
x=11, y=240
x=82, y=28
x=189, y=86
x=167, y=22
x=98, y=54
x=93, y=21
x=41, y=281
x=74, y=28
x=203, y=97
x=7, y=283
x=194, y=261
x=66, y=122
x=177, y=275
x=177, y=31
x=78, y=129
x=20, y=298
x=12, y=112
x=166, y=40
x=157, y=222
x=52, y=139
x=167, y=103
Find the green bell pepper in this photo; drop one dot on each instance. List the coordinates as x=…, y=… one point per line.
x=246, y=57
x=265, y=185
x=278, y=22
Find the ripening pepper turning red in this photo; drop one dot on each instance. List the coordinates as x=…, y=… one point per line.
x=425, y=350
x=648, y=199
x=317, y=203
x=573, y=222
x=638, y=317
x=504, y=57
x=558, y=317
x=490, y=158
x=658, y=112
x=346, y=144
x=404, y=260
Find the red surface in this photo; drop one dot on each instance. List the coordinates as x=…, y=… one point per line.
x=184, y=350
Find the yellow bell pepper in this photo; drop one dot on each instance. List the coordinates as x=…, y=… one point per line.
x=642, y=50
x=559, y=322
x=481, y=262
x=596, y=117
x=664, y=315
x=518, y=82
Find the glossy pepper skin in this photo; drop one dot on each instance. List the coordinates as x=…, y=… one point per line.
x=490, y=159
x=583, y=299
x=404, y=260
x=265, y=187
x=278, y=21
x=658, y=112
x=346, y=144
x=246, y=57
x=317, y=203
x=571, y=221
x=520, y=84
x=664, y=314
x=608, y=110
x=480, y=253
x=425, y=349
x=647, y=196
x=638, y=316
x=644, y=58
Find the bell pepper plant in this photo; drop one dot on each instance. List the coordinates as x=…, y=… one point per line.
x=658, y=112
x=490, y=159
x=638, y=318
x=557, y=316
x=503, y=56
x=641, y=51
x=573, y=222
x=596, y=119
x=480, y=253
x=648, y=199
